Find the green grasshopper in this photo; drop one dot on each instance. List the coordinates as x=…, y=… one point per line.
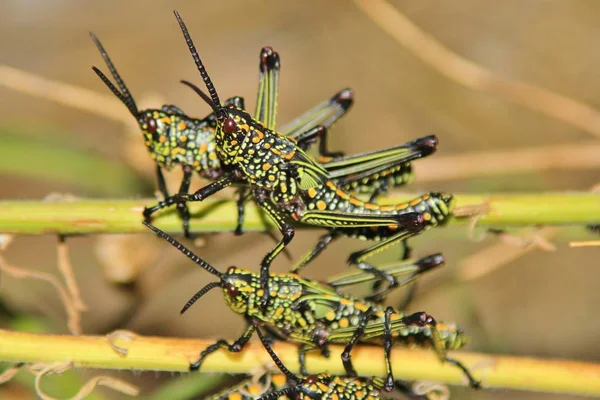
x=314, y=314
x=280, y=174
x=175, y=139
x=326, y=386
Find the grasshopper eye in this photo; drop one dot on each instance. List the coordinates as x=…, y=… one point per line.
x=151, y=124
x=312, y=379
x=229, y=126
x=232, y=291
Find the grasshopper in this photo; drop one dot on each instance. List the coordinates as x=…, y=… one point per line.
x=279, y=174
x=314, y=314
x=174, y=139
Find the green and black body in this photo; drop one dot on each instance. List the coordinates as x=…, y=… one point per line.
x=278, y=172
x=174, y=139
x=327, y=386
x=314, y=314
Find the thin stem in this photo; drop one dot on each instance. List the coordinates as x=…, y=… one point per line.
x=119, y=216
x=173, y=354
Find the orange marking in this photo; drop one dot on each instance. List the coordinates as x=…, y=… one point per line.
x=212, y=156
x=267, y=146
x=166, y=120
x=321, y=205
x=427, y=216
x=203, y=148
x=401, y=206
x=361, y=306
x=386, y=208
x=341, y=194
x=312, y=193
x=266, y=166
x=393, y=227
x=331, y=185
x=234, y=142
x=279, y=380
x=371, y=206
x=182, y=125
x=415, y=202
x=183, y=139
x=355, y=201
x=162, y=139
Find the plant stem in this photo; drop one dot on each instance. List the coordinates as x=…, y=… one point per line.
x=124, y=216
x=173, y=354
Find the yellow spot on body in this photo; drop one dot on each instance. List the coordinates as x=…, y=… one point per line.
x=162, y=139
x=331, y=185
x=359, y=395
x=335, y=396
x=235, y=396
x=427, y=216
x=415, y=202
x=401, y=206
x=386, y=208
x=183, y=139
x=181, y=126
x=203, y=148
x=321, y=205
x=361, y=306
x=312, y=193
x=371, y=206
x=330, y=316
x=196, y=163
x=271, y=178
x=266, y=166
x=267, y=146
x=255, y=390
x=279, y=380
x=166, y=120
x=234, y=142
x=344, y=323
x=212, y=156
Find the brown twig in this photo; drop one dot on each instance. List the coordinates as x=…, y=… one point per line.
x=60, y=367
x=474, y=76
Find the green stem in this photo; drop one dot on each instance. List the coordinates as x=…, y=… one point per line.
x=175, y=354
x=125, y=216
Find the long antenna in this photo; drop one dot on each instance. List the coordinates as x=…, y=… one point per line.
x=205, y=77
x=113, y=88
x=199, y=294
x=188, y=253
x=126, y=97
x=204, y=96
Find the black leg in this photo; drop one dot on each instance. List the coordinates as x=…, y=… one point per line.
x=199, y=195
x=243, y=194
x=160, y=180
x=182, y=207
x=318, y=249
x=346, y=356
x=235, y=347
x=262, y=199
x=387, y=348
x=474, y=383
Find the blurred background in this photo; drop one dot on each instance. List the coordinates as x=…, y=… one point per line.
x=531, y=302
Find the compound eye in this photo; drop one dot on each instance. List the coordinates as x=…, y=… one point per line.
x=311, y=379
x=151, y=124
x=232, y=291
x=229, y=126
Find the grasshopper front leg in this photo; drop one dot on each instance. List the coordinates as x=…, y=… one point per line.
x=235, y=347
